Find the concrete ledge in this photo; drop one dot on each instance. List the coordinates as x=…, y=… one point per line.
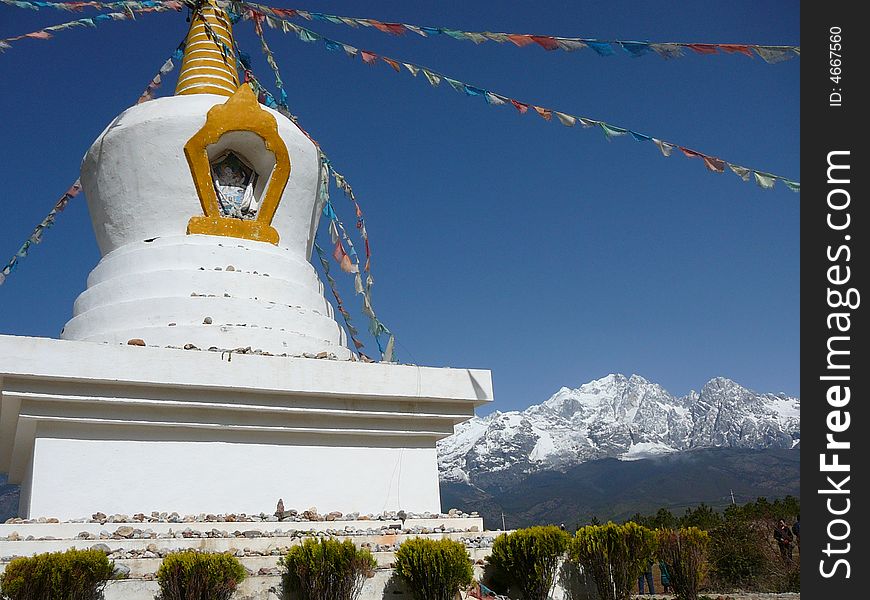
x=71, y=530
x=46, y=358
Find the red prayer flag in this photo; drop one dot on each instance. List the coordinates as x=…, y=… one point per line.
x=284, y=12
x=368, y=57
x=392, y=63
x=716, y=165
x=395, y=28
x=520, y=40
x=520, y=106
x=258, y=19
x=39, y=35
x=546, y=42
x=339, y=252
x=703, y=48
x=736, y=48
x=690, y=153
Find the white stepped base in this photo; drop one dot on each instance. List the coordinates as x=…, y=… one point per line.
x=208, y=291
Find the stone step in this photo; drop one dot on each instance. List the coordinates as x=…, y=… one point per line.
x=70, y=530
x=276, y=545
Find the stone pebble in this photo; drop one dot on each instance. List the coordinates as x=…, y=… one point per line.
x=291, y=515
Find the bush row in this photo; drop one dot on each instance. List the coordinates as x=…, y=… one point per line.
x=600, y=561
x=743, y=552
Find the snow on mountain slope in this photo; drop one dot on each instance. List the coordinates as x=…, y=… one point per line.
x=617, y=416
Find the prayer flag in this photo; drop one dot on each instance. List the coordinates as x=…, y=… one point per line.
x=546, y=113
x=433, y=78
x=566, y=120
x=495, y=99
x=765, y=180
x=665, y=147
x=392, y=63
x=635, y=48
x=546, y=42
x=741, y=172
x=570, y=45
x=520, y=106
x=519, y=39
x=667, y=50
x=773, y=54
x=703, y=48
x=714, y=164
x=736, y=48
x=602, y=48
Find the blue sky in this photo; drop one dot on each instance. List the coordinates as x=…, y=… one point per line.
x=544, y=253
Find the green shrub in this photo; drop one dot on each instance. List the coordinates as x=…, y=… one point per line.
x=528, y=558
x=70, y=575
x=614, y=556
x=319, y=569
x=685, y=553
x=192, y=575
x=434, y=569
x=737, y=555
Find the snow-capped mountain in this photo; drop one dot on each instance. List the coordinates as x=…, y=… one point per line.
x=621, y=417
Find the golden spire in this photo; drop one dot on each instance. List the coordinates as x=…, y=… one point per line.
x=209, y=67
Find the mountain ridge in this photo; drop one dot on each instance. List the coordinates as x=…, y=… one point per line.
x=615, y=417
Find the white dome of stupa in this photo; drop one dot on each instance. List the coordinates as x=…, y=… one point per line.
x=170, y=282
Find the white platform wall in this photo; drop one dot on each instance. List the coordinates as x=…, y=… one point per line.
x=75, y=478
x=87, y=427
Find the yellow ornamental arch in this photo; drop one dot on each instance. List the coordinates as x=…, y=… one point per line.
x=241, y=114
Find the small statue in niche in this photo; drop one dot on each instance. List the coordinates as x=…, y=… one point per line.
x=234, y=183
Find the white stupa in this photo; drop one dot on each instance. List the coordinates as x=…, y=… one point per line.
x=205, y=206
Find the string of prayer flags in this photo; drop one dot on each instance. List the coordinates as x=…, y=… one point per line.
x=714, y=164
x=270, y=58
x=102, y=6
x=46, y=32
x=36, y=236
x=344, y=253
x=324, y=204
x=770, y=54
x=352, y=330
x=168, y=66
x=344, y=186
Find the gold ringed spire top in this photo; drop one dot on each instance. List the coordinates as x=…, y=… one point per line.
x=209, y=64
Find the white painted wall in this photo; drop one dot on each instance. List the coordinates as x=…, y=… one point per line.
x=126, y=429
x=75, y=478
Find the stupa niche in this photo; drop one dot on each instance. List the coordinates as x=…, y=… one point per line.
x=204, y=206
